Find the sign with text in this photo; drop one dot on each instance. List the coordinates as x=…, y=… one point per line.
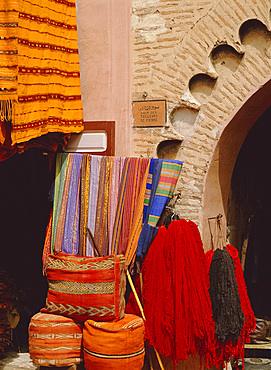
x=149, y=113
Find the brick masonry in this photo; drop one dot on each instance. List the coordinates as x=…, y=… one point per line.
x=205, y=58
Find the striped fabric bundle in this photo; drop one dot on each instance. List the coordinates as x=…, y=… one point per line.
x=65, y=236
x=101, y=203
x=156, y=199
x=39, y=69
x=93, y=195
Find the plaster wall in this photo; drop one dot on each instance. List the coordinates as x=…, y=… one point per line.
x=104, y=52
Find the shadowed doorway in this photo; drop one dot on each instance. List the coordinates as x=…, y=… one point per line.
x=25, y=185
x=249, y=213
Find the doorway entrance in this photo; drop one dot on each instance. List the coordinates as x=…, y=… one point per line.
x=249, y=213
x=26, y=180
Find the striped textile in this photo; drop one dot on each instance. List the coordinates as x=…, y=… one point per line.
x=101, y=229
x=84, y=205
x=136, y=226
x=70, y=242
x=39, y=69
x=120, y=208
x=93, y=195
x=55, y=340
x=160, y=196
x=119, y=199
x=148, y=189
x=47, y=241
x=114, y=194
x=135, y=177
x=155, y=176
x=169, y=175
x=63, y=207
x=62, y=162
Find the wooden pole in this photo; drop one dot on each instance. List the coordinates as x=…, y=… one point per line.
x=142, y=313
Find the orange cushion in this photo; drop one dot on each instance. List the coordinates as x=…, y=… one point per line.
x=114, y=345
x=86, y=287
x=55, y=340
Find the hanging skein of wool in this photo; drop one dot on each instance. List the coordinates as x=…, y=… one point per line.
x=232, y=348
x=157, y=297
x=250, y=321
x=226, y=306
x=176, y=301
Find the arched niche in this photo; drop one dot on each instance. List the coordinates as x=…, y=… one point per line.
x=218, y=177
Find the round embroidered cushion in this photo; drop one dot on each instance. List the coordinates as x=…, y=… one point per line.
x=55, y=340
x=114, y=345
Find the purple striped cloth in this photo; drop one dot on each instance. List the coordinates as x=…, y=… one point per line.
x=70, y=243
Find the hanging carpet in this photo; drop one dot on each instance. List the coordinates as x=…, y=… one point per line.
x=39, y=71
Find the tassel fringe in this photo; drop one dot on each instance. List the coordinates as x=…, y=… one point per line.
x=6, y=110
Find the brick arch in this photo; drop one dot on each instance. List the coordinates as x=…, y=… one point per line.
x=218, y=178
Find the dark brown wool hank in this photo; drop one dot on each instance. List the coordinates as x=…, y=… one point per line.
x=226, y=306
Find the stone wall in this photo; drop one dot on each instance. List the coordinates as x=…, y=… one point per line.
x=206, y=58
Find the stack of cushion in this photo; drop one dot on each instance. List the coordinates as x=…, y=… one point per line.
x=86, y=292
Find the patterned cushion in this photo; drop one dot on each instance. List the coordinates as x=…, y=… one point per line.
x=114, y=345
x=86, y=287
x=55, y=340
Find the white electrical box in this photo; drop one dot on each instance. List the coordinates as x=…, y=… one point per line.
x=87, y=141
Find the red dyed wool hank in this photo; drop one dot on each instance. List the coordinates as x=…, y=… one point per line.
x=176, y=301
x=157, y=298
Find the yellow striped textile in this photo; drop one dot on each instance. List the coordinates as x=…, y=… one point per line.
x=39, y=69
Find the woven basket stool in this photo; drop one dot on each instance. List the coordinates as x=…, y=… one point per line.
x=55, y=340
x=114, y=345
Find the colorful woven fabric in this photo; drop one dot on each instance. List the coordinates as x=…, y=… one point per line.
x=39, y=69
x=55, y=340
x=93, y=196
x=59, y=203
x=103, y=201
x=136, y=175
x=86, y=287
x=136, y=225
x=120, y=208
x=114, y=194
x=47, y=241
x=70, y=243
x=168, y=178
x=153, y=180
x=84, y=203
x=165, y=174
x=114, y=345
x=109, y=205
x=66, y=210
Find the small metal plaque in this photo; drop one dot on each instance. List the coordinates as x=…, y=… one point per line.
x=149, y=113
